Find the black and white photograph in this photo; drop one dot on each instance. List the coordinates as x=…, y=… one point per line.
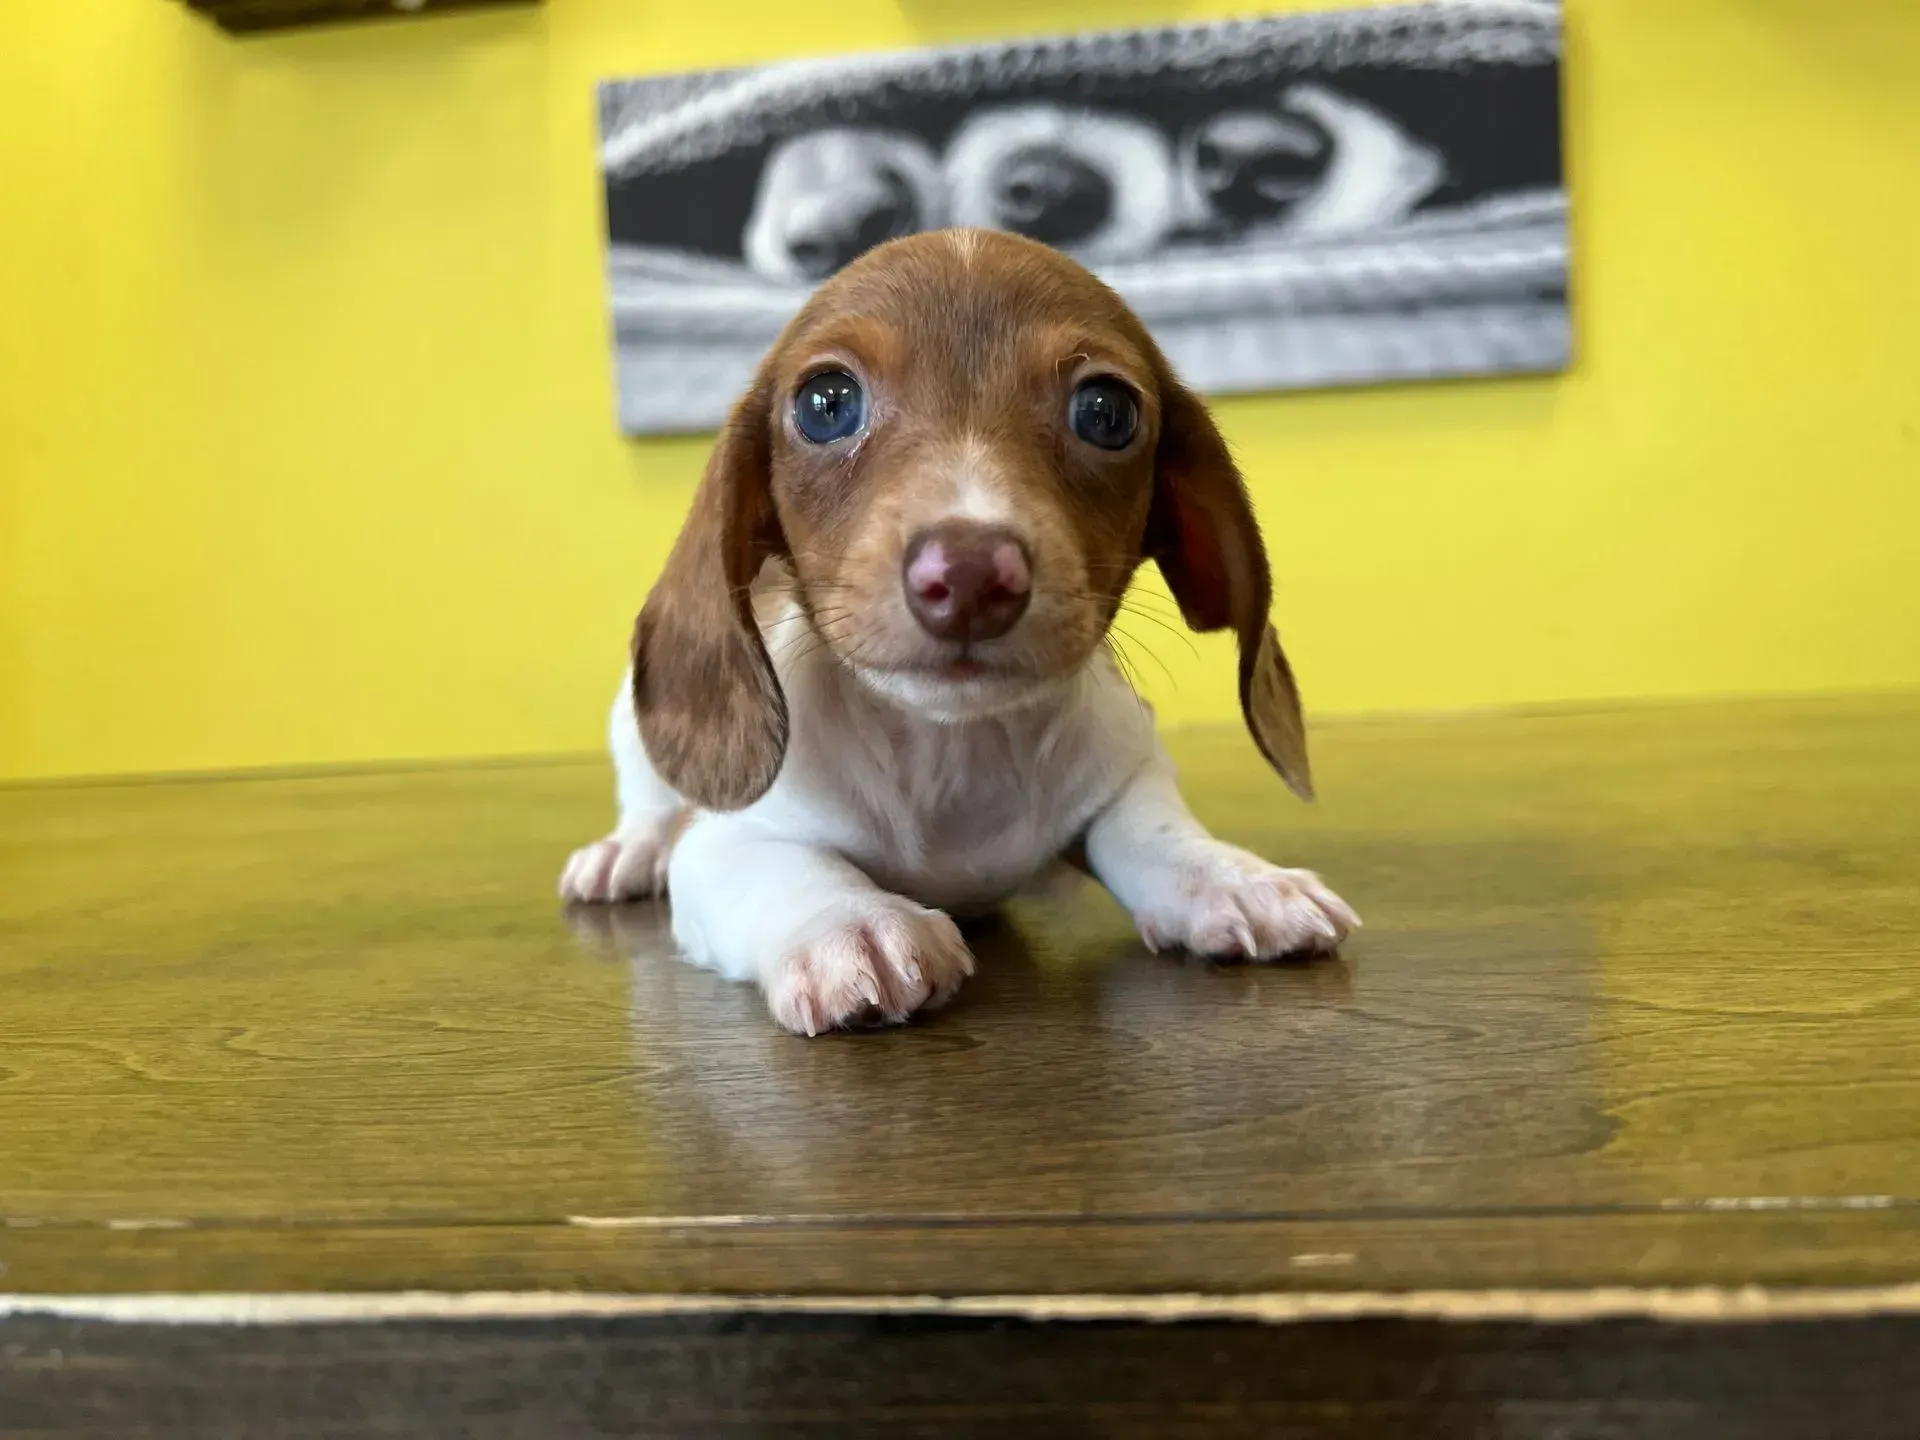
x=1288, y=202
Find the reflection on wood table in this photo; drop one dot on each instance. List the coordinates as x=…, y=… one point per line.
x=1627, y=979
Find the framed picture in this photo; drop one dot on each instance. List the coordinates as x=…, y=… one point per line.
x=1293, y=201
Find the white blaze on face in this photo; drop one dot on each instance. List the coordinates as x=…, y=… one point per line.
x=966, y=243
x=965, y=483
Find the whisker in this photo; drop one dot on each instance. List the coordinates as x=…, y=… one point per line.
x=1150, y=653
x=1112, y=644
x=1178, y=632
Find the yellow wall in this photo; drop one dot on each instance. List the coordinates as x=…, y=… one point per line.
x=306, y=438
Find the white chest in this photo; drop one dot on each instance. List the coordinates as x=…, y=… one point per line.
x=954, y=815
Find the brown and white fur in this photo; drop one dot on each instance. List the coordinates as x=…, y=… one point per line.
x=816, y=772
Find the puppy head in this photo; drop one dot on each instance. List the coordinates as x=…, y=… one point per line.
x=961, y=449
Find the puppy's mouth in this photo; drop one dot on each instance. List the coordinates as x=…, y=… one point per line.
x=967, y=668
x=966, y=665
x=957, y=686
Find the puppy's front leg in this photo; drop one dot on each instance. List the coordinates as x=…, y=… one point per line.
x=828, y=947
x=1187, y=890
x=631, y=863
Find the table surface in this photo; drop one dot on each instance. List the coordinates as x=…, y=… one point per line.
x=1638, y=1003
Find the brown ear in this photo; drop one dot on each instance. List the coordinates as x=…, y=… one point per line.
x=711, y=711
x=1202, y=534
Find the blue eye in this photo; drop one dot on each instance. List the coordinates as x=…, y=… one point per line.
x=1104, y=413
x=828, y=407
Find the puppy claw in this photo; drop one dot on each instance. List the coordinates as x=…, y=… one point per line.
x=880, y=964
x=630, y=864
x=1228, y=902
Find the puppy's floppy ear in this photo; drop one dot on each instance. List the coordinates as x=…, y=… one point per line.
x=711, y=710
x=1202, y=534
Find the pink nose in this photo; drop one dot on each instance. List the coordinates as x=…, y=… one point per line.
x=966, y=581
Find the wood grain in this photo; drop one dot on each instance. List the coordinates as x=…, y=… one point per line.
x=1363, y=1253
x=1636, y=1001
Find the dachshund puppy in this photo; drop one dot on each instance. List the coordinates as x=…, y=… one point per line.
x=1319, y=165
x=870, y=686
x=1101, y=187
x=829, y=195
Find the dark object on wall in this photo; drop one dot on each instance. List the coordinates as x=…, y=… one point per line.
x=1288, y=201
x=245, y=15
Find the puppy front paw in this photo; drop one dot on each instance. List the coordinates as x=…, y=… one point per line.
x=1228, y=903
x=873, y=961
x=630, y=864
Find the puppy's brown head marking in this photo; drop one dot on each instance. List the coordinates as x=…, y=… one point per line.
x=961, y=450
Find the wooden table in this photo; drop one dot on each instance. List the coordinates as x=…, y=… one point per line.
x=1634, y=1024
